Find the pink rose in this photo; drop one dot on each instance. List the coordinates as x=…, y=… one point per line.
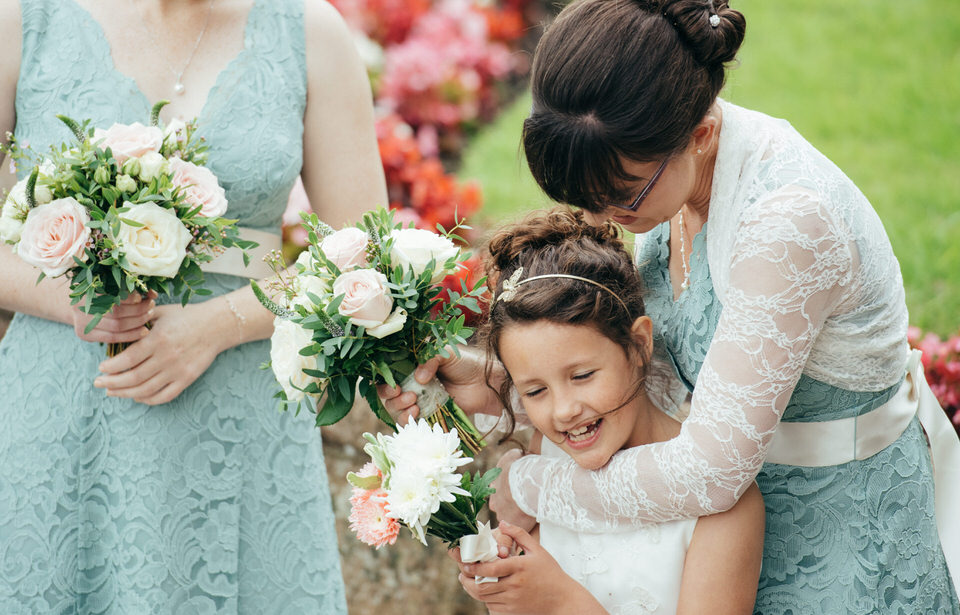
x=199, y=186
x=347, y=248
x=366, y=300
x=129, y=141
x=53, y=234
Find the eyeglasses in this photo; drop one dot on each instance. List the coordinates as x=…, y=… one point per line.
x=646, y=189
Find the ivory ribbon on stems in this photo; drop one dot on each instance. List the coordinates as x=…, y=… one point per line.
x=431, y=396
x=479, y=547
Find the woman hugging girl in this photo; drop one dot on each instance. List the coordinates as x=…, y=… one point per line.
x=567, y=323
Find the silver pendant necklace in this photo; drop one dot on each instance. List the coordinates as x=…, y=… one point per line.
x=178, y=87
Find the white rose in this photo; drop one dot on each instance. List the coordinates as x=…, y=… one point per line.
x=11, y=222
x=151, y=165
x=307, y=283
x=156, y=248
x=417, y=247
x=288, y=364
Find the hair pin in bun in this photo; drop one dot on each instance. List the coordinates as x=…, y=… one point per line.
x=714, y=20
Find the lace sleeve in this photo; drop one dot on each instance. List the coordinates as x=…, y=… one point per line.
x=791, y=264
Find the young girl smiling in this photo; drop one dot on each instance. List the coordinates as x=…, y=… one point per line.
x=568, y=324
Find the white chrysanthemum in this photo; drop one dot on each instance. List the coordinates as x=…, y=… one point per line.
x=426, y=446
x=412, y=500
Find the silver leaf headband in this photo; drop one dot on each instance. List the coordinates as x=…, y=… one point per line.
x=511, y=284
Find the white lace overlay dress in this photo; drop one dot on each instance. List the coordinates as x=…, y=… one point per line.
x=632, y=572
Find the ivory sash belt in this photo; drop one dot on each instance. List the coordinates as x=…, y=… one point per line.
x=230, y=262
x=828, y=443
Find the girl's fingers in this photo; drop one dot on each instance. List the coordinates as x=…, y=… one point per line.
x=519, y=535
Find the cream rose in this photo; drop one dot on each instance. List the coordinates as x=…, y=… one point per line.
x=156, y=248
x=151, y=165
x=285, y=359
x=129, y=140
x=346, y=248
x=366, y=300
x=417, y=247
x=53, y=234
x=199, y=186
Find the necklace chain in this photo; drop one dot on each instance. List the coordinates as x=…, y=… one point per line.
x=178, y=86
x=683, y=255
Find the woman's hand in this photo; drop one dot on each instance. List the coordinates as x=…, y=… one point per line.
x=124, y=323
x=530, y=583
x=462, y=376
x=181, y=345
x=502, y=502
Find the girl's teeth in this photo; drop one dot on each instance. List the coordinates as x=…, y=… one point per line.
x=582, y=433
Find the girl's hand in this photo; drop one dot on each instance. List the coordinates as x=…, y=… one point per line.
x=528, y=583
x=181, y=345
x=125, y=323
x=462, y=376
x=502, y=502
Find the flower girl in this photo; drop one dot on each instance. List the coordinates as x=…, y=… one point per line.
x=567, y=322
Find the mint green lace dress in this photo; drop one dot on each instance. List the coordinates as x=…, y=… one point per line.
x=214, y=502
x=854, y=538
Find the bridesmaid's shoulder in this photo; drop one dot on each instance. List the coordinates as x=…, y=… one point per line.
x=330, y=51
x=324, y=24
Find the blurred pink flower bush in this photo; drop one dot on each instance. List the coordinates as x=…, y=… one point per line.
x=941, y=364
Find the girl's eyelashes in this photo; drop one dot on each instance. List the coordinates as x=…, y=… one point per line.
x=584, y=375
x=534, y=392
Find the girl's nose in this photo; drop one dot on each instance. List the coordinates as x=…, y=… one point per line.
x=567, y=410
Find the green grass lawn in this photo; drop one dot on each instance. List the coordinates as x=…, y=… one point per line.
x=874, y=85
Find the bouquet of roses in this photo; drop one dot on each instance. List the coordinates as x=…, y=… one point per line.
x=125, y=210
x=363, y=309
x=413, y=480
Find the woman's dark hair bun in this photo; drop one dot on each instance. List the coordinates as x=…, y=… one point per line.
x=712, y=46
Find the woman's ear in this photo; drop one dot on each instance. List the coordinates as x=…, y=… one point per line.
x=642, y=332
x=706, y=132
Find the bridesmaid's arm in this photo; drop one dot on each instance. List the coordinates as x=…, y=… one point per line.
x=342, y=171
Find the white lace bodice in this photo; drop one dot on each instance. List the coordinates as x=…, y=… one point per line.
x=809, y=284
x=637, y=572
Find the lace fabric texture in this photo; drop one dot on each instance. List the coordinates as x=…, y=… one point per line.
x=214, y=502
x=797, y=307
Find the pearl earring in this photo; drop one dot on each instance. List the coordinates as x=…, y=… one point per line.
x=699, y=151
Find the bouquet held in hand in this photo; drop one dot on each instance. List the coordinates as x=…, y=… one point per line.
x=124, y=210
x=414, y=480
x=363, y=309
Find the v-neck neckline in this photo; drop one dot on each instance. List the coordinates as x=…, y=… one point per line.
x=135, y=86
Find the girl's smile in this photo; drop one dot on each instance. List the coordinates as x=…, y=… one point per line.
x=579, y=388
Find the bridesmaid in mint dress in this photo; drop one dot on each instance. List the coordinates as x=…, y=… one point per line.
x=176, y=486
